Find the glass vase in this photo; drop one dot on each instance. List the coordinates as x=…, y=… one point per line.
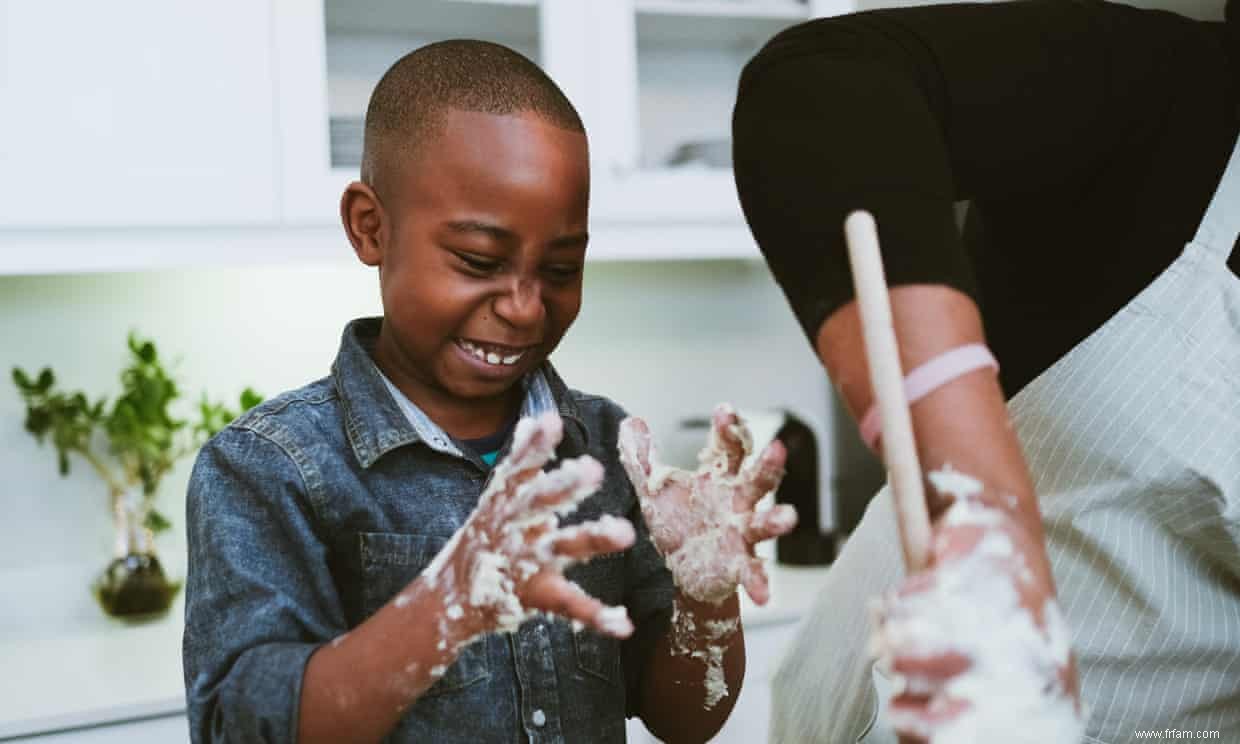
x=134, y=585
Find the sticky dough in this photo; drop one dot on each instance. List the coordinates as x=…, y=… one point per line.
x=490, y=582
x=695, y=565
x=1011, y=687
x=716, y=633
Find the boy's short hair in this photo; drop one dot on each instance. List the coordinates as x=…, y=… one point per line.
x=408, y=105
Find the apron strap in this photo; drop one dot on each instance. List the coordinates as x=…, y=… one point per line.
x=1220, y=226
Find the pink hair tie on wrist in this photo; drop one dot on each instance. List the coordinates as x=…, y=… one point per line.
x=929, y=377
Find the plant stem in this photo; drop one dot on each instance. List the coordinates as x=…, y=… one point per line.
x=114, y=485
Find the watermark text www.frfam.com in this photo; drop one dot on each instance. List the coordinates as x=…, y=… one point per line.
x=1179, y=734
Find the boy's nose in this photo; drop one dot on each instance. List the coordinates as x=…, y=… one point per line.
x=521, y=306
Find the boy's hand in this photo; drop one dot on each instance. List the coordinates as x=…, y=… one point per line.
x=704, y=522
x=976, y=642
x=509, y=557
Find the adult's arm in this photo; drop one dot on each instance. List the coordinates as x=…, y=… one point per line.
x=1028, y=109
x=904, y=112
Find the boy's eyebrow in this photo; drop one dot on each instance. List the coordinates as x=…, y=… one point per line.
x=571, y=241
x=473, y=226
x=503, y=234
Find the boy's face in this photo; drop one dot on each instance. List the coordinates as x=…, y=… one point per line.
x=480, y=257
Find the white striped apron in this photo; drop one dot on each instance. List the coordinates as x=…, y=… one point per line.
x=1133, y=439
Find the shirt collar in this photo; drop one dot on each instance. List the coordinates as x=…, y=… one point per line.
x=379, y=418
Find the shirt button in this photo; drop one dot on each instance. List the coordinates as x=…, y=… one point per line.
x=539, y=718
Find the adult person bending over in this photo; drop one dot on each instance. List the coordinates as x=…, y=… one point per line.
x=1092, y=141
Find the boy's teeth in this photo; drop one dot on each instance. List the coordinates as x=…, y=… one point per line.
x=490, y=357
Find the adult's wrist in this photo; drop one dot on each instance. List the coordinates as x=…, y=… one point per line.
x=970, y=524
x=1007, y=504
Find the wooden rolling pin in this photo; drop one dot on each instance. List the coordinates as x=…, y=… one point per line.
x=887, y=381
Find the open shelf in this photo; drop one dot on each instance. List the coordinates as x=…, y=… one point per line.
x=437, y=18
x=776, y=9
x=363, y=39
x=689, y=57
x=730, y=24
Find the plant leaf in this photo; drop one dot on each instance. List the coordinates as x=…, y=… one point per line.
x=156, y=522
x=249, y=399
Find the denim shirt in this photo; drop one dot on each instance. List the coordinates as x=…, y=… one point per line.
x=311, y=511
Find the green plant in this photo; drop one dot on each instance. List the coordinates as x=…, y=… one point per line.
x=215, y=416
x=143, y=437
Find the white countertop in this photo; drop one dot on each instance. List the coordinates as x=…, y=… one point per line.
x=66, y=664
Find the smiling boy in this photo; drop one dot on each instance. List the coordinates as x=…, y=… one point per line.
x=381, y=555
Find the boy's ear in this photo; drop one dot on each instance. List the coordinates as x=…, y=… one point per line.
x=362, y=214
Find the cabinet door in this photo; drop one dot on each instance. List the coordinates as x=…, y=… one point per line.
x=669, y=69
x=135, y=113
x=310, y=187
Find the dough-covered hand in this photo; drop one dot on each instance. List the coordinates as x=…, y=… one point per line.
x=703, y=521
x=976, y=643
x=508, y=559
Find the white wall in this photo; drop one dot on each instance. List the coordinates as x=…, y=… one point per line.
x=1205, y=10
x=667, y=340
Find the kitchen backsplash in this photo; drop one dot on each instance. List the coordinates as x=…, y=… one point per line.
x=667, y=340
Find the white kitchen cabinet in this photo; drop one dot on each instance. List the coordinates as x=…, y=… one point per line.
x=674, y=67
x=646, y=75
x=141, y=134
x=135, y=113
x=330, y=54
x=669, y=72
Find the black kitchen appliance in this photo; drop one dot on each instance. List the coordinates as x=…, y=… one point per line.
x=807, y=544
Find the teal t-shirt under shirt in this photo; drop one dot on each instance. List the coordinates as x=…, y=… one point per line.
x=488, y=447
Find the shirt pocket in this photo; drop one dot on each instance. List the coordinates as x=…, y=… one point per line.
x=599, y=655
x=389, y=562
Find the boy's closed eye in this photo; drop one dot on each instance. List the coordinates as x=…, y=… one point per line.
x=480, y=265
x=563, y=272
x=477, y=264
